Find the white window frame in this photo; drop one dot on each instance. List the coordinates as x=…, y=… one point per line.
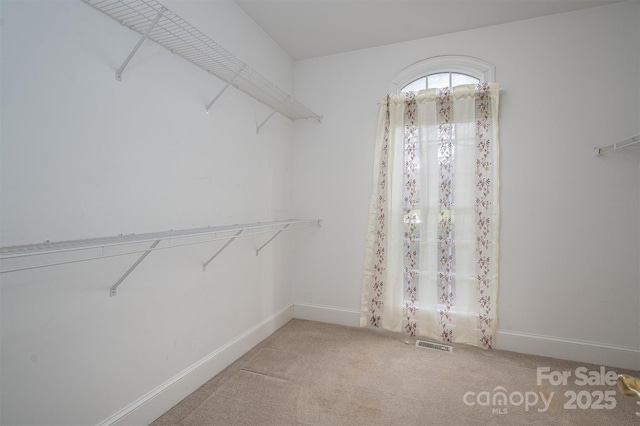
x=474, y=67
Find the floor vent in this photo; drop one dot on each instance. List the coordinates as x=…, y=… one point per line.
x=436, y=346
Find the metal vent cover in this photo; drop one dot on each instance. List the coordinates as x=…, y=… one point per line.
x=436, y=346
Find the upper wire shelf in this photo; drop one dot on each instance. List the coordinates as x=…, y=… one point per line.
x=154, y=21
x=632, y=141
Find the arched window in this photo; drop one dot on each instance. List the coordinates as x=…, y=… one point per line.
x=432, y=244
x=443, y=71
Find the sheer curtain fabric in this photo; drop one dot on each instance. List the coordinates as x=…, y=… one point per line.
x=431, y=261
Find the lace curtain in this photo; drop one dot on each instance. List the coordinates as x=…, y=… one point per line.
x=431, y=262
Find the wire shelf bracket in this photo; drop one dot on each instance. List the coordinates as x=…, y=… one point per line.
x=207, y=234
x=114, y=287
x=629, y=142
x=157, y=23
x=229, y=83
x=271, y=239
x=145, y=35
x=269, y=117
x=204, y=266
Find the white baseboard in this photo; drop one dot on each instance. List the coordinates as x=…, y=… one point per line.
x=156, y=402
x=569, y=349
x=329, y=314
x=553, y=347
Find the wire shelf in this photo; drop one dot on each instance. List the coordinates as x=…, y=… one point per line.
x=210, y=234
x=153, y=20
x=217, y=233
x=629, y=142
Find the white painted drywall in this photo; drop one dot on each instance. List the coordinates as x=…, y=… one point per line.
x=83, y=155
x=569, y=231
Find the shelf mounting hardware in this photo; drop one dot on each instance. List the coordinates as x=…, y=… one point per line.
x=635, y=140
x=272, y=114
x=229, y=83
x=114, y=287
x=137, y=46
x=204, y=266
x=271, y=239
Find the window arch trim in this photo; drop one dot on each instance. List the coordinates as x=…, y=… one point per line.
x=482, y=70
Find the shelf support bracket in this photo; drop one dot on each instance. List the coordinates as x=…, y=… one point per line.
x=272, y=114
x=229, y=83
x=137, y=46
x=134, y=266
x=204, y=266
x=271, y=239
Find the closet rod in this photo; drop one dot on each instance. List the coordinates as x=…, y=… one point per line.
x=634, y=140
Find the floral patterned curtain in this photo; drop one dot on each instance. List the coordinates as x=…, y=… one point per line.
x=431, y=263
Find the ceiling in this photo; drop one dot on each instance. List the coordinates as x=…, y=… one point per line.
x=311, y=28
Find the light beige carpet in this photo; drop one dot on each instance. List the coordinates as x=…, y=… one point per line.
x=310, y=373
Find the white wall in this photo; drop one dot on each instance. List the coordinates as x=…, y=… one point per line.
x=83, y=155
x=569, y=231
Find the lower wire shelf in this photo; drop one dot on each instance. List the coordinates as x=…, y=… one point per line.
x=178, y=238
x=629, y=142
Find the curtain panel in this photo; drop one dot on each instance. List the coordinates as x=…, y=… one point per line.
x=431, y=261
